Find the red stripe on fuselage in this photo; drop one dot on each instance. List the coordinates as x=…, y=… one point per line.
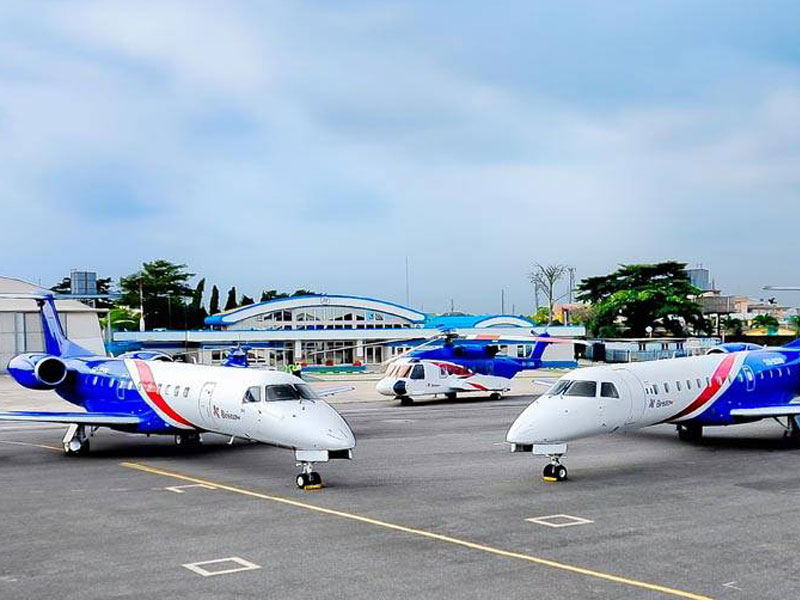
x=151, y=389
x=717, y=381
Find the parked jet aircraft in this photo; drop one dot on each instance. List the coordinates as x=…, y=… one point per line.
x=733, y=383
x=144, y=392
x=458, y=365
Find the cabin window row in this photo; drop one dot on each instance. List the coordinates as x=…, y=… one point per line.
x=169, y=390
x=741, y=377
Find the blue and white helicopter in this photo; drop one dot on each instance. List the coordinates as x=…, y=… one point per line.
x=457, y=364
x=145, y=392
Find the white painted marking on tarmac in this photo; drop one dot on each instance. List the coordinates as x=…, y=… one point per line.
x=243, y=565
x=179, y=489
x=8, y=579
x=557, y=521
x=732, y=585
x=398, y=421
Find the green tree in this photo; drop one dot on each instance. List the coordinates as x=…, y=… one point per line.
x=768, y=322
x=542, y=316
x=196, y=313
x=268, y=295
x=213, y=304
x=164, y=289
x=733, y=326
x=794, y=323
x=230, y=303
x=638, y=296
x=123, y=318
x=246, y=301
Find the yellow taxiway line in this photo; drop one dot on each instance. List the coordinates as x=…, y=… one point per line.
x=425, y=534
x=32, y=445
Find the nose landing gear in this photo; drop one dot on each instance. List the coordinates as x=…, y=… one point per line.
x=555, y=471
x=309, y=479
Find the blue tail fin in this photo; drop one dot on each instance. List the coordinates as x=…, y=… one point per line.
x=534, y=361
x=55, y=342
x=794, y=344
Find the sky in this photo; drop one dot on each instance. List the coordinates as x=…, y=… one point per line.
x=318, y=144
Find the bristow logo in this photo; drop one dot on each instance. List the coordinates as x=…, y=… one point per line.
x=220, y=413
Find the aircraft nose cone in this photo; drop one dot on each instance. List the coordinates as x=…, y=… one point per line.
x=384, y=387
x=522, y=429
x=337, y=432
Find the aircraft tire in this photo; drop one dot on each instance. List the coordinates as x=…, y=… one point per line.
x=302, y=481
x=451, y=395
x=495, y=396
x=406, y=401
x=547, y=473
x=690, y=433
x=560, y=472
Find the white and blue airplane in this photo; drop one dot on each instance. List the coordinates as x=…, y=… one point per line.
x=145, y=392
x=733, y=383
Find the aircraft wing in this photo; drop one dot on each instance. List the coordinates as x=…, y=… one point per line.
x=767, y=411
x=335, y=390
x=80, y=418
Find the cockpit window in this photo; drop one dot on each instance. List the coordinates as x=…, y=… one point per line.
x=280, y=393
x=559, y=387
x=403, y=371
x=253, y=394
x=418, y=372
x=582, y=389
x=306, y=392
x=608, y=390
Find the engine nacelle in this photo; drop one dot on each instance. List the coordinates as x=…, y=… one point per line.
x=733, y=347
x=38, y=371
x=147, y=355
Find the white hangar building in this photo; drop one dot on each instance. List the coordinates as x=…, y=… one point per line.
x=21, y=324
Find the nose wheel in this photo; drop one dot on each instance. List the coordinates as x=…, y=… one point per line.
x=309, y=479
x=555, y=471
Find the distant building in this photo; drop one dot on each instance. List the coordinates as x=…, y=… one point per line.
x=700, y=278
x=324, y=330
x=21, y=325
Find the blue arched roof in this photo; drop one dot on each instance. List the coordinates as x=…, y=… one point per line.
x=245, y=312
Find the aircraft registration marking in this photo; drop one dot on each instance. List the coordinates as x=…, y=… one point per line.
x=426, y=534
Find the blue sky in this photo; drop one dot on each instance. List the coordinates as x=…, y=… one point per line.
x=315, y=145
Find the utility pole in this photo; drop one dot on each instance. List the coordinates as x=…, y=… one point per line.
x=141, y=307
x=502, y=302
x=452, y=306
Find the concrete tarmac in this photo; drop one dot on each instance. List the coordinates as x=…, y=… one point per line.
x=433, y=506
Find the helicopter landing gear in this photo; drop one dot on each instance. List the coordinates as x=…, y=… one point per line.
x=555, y=471
x=405, y=400
x=495, y=396
x=76, y=442
x=309, y=479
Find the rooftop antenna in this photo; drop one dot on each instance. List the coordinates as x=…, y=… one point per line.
x=502, y=301
x=452, y=306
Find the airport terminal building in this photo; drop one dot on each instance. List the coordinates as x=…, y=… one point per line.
x=335, y=330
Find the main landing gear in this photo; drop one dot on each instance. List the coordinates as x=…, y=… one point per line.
x=405, y=400
x=76, y=442
x=690, y=433
x=792, y=433
x=189, y=440
x=555, y=471
x=309, y=479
